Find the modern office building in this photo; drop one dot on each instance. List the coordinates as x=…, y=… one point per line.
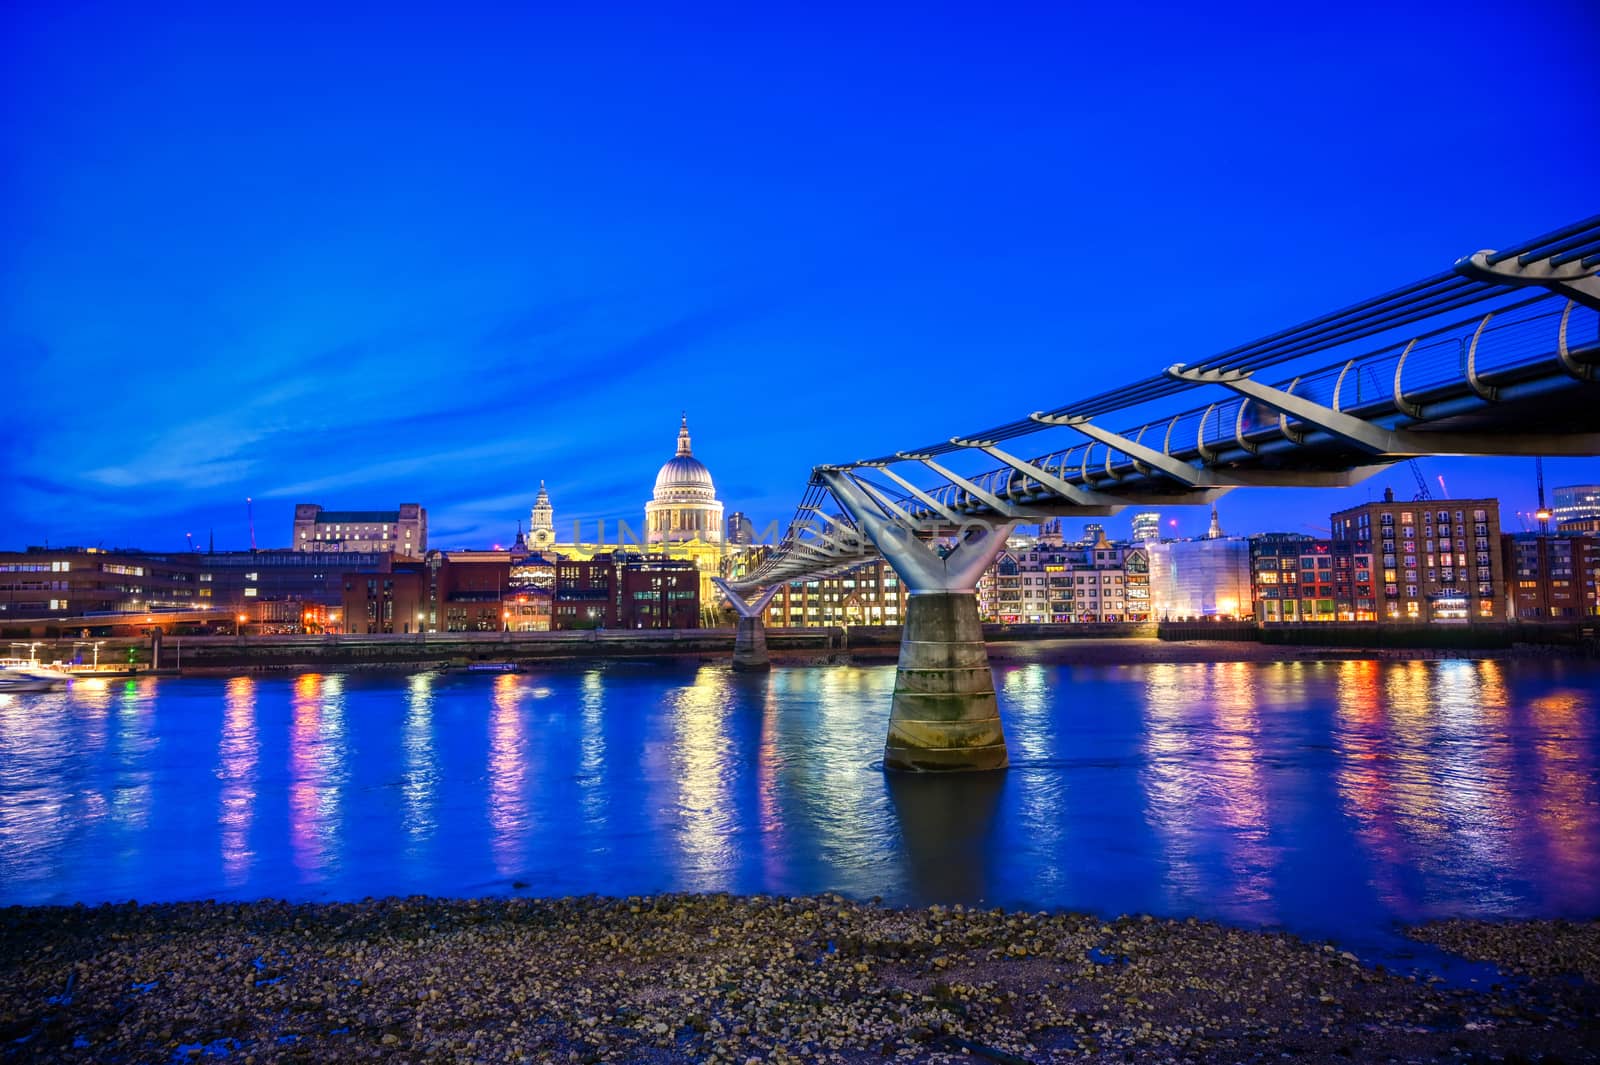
x=403, y=531
x=1147, y=526
x=52, y=583
x=1577, y=508
x=1436, y=560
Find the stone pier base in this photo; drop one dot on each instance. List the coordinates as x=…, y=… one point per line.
x=750, y=646
x=945, y=717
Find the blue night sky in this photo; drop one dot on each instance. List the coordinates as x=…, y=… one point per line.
x=399, y=254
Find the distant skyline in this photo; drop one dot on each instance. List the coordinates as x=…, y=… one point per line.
x=311, y=256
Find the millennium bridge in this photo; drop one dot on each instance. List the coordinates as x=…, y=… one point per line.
x=1497, y=355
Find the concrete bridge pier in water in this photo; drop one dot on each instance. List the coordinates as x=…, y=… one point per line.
x=944, y=716
x=750, y=638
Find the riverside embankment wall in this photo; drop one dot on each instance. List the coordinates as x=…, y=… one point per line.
x=253, y=653
x=1577, y=637
x=198, y=653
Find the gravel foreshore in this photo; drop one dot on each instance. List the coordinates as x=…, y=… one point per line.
x=717, y=978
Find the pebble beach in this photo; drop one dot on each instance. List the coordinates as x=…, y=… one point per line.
x=689, y=978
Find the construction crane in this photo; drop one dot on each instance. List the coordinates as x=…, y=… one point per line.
x=1543, y=513
x=1422, y=482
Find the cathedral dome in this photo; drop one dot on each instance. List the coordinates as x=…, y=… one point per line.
x=684, y=477
x=685, y=505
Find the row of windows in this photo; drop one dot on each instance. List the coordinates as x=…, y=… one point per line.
x=1443, y=517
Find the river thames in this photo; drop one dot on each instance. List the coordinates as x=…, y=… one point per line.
x=1330, y=798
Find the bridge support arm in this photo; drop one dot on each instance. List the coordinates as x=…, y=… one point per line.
x=998, y=505
x=1086, y=501
x=927, y=500
x=1387, y=443
x=1571, y=279
x=1177, y=469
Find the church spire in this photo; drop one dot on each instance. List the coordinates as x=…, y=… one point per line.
x=683, y=436
x=1215, y=532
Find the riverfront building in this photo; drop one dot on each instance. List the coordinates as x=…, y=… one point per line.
x=1292, y=578
x=403, y=531
x=870, y=594
x=1552, y=578
x=1434, y=560
x=1044, y=582
x=620, y=590
x=54, y=583
x=46, y=591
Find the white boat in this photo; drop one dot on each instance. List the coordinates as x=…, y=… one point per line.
x=25, y=675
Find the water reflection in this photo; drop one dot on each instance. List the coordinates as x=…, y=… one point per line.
x=592, y=759
x=1319, y=795
x=1567, y=836
x=237, y=758
x=947, y=827
x=421, y=770
x=1456, y=790
x=136, y=743
x=1035, y=752
x=34, y=814
x=508, y=776
x=702, y=765
x=1206, y=796
x=317, y=773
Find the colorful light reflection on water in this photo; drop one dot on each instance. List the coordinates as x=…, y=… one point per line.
x=1320, y=796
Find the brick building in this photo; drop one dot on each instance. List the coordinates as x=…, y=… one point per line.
x=468, y=591
x=1292, y=578
x=1436, y=560
x=626, y=591
x=1551, y=578
x=392, y=600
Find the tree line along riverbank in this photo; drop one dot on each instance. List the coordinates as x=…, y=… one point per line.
x=681, y=978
